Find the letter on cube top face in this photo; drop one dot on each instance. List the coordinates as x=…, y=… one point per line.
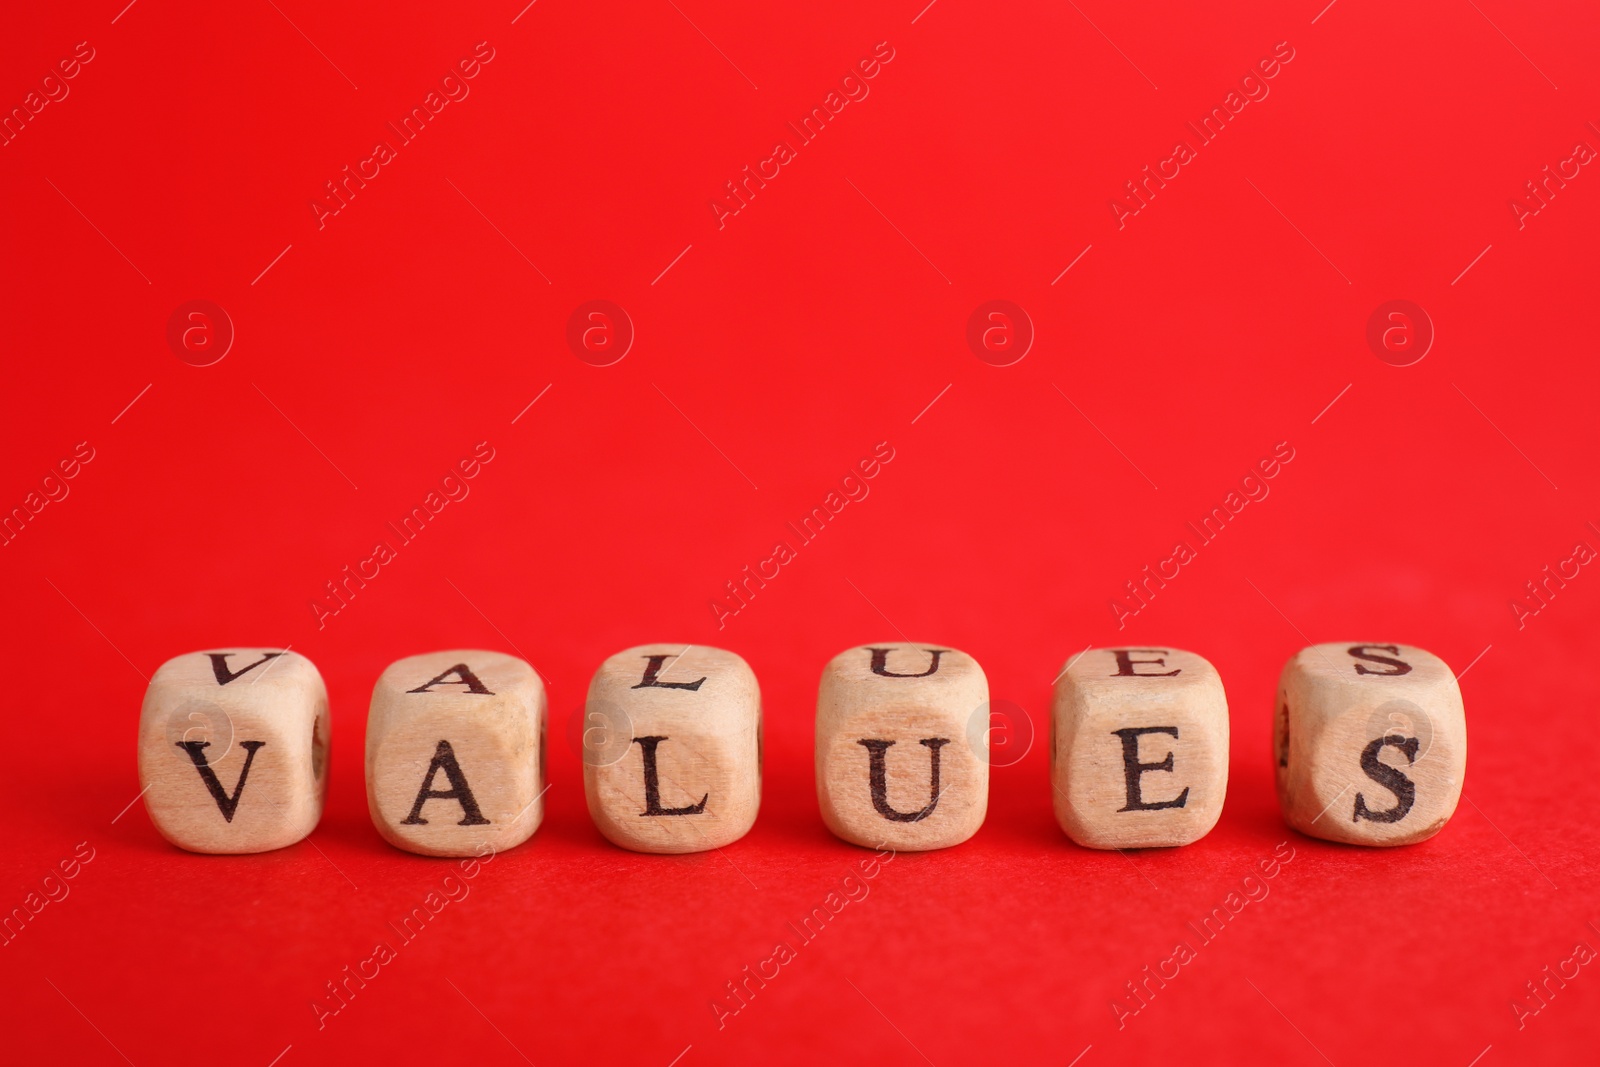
x=672, y=748
x=897, y=763
x=233, y=749
x=1139, y=756
x=455, y=752
x=1369, y=743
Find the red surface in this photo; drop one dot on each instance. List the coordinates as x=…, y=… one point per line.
x=820, y=320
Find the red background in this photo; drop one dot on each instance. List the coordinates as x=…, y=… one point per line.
x=819, y=321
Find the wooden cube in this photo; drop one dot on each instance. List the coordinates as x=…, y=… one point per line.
x=455, y=752
x=1370, y=742
x=672, y=748
x=1139, y=747
x=901, y=745
x=233, y=749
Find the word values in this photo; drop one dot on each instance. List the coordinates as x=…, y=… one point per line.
x=1253, y=88
x=453, y=88
x=853, y=88
x=742, y=590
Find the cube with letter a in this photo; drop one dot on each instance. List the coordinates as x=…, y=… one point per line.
x=233, y=749
x=896, y=763
x=455, y=752
x=672, y=748
x=1139, y=750
x=1369, y=743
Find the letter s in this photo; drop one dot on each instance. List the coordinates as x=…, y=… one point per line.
x=1362, y=652
x=1403, y=788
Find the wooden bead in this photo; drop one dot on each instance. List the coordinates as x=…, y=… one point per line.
x=455, y=752
x=233, y=749
x=672, y=748
x=900, y=746
x=1139, y=755
x=1370, y=742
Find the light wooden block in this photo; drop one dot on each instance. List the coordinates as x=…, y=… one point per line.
x=1370, y=743
x=233, y=749
x=456, y=752
x=672, y=748
x=900, y=746
x=1139, y=750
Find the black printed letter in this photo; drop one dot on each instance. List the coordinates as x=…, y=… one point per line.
x=444, y=758
x=219, y=665
x=878, y=775
x=228, y=805
x=1126, y=664
x=1360, y=652
x=1132, y=768
x=880, y=658
x=1403, y=788
x=654, y=668
x=652, y=781
x=464, y=676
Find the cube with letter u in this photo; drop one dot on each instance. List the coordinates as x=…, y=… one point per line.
x=900, y=746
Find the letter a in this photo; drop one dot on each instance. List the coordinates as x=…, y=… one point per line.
x=464, y=676
x=444, y=758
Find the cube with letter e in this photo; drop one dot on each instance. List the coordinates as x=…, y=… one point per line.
x=1139, y=748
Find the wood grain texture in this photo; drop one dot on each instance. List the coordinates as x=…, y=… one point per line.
x=1118, y=716
x=672, y=748
x=456, y=752
x=890, y=716
x=233, y=749
x=1369, y=743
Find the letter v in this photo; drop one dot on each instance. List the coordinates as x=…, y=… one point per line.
x=226, y=804
x=219, y=665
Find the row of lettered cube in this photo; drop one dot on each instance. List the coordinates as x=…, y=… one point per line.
x=1369, y=743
